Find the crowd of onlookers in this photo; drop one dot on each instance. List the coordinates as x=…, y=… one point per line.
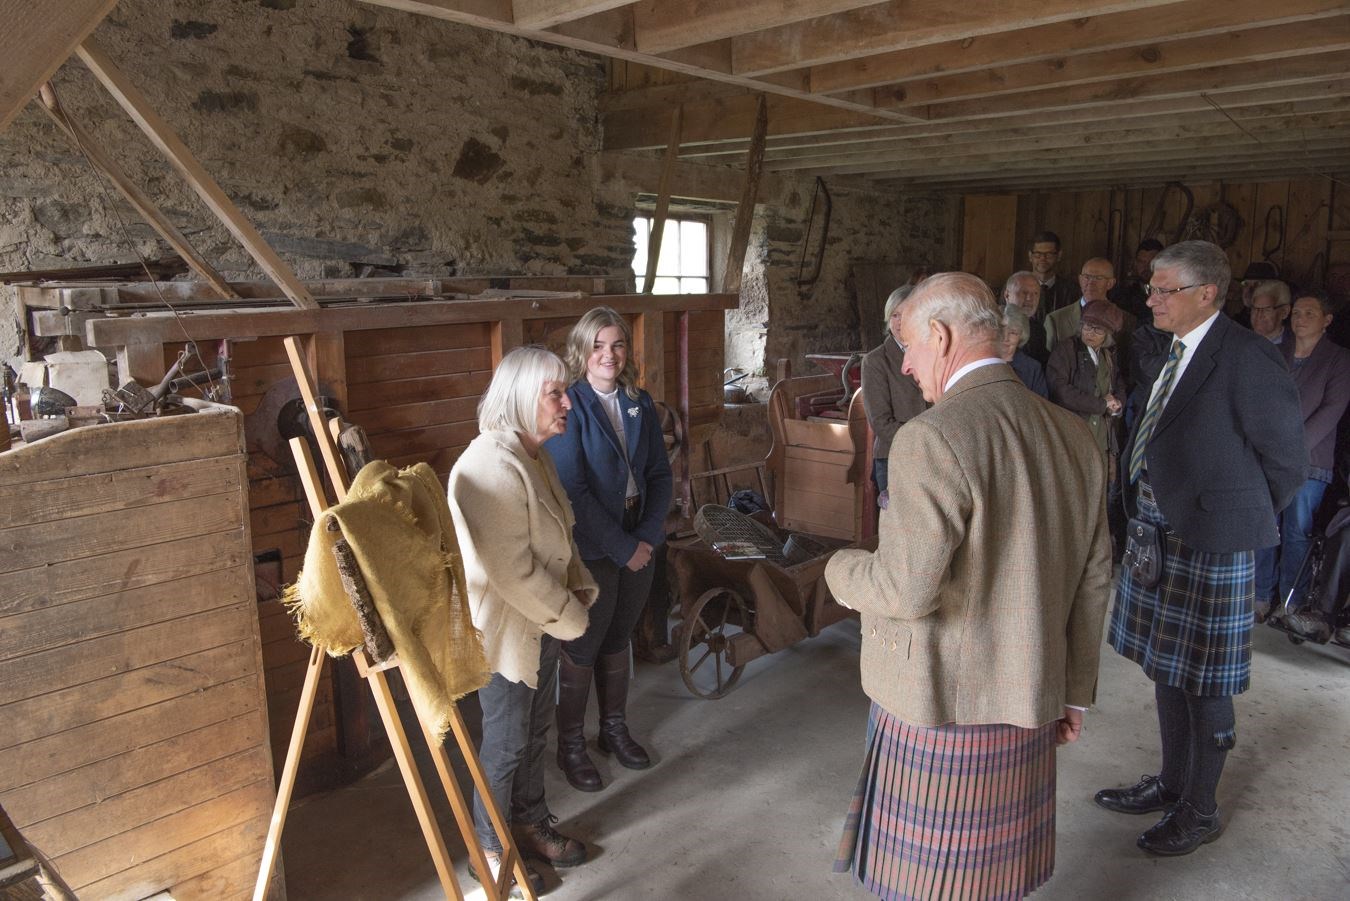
x=1088, y=343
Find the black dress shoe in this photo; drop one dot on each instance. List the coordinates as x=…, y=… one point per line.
x=1146, y=796
x=1181, y=831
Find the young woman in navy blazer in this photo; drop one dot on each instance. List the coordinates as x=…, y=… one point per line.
x=612, y=462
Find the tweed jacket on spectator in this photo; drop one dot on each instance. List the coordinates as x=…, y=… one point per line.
x=515, y=531
x=985, y=599
x=890, y=398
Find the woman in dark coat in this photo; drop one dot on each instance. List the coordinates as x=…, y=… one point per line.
x=1085, y=377
x=612, y=462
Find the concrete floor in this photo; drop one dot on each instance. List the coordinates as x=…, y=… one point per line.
x=748, y=793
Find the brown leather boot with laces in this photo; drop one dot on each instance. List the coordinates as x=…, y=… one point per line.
x=541, y=840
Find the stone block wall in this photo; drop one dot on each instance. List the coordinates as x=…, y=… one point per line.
x=358, y=137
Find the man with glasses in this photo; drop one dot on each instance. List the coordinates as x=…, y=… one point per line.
x=1270, y=310
x=1096, y=278
x=1216, y=455
x=1056, y=292
x=1023, y=291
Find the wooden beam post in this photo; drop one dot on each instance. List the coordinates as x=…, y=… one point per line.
x=663, y=199
x=745, y=213
x=506, y=334
x=649, y=334
x=176, y=152
x=48, y=102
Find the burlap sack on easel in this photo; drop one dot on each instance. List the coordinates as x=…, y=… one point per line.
x=398, y=525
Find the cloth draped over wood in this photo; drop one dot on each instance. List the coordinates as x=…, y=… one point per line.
x=399, y=527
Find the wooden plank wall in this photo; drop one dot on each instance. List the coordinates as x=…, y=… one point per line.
x=1288, y=222
x=415, y=391
x=990, y=226
x=135, y=749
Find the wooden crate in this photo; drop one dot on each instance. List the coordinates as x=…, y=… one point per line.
x=135, y=750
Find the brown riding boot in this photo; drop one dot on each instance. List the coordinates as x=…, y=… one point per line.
x=611, y=686
x=574, y=689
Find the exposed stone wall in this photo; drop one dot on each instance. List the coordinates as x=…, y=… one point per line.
x=357, y=136
x=348, y=133
x=866, y=227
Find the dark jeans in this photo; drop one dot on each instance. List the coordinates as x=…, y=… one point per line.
x=1277, y=567
x=516, y=719
x=623, y=595
x=879, y=477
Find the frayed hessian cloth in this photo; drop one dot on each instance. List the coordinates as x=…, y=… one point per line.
x=398, y=525
x=952, y=812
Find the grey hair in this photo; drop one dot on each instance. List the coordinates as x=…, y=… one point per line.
x=511, y=402
x=961, y=301
x=1014, y=318
x=1273, y=288
x=1200, y=262
x=896, y=298
x=1017, y=276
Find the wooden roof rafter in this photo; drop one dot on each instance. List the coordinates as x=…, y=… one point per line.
x=902, y=76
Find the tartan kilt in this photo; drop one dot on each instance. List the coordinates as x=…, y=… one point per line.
x=1193, y=631
x=952, y=812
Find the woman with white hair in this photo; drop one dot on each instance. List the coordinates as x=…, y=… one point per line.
x=890, y=398
x=613, y=464
x=528, y=591
x=1016, y=333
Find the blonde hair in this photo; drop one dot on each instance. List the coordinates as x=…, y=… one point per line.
x=511, y=401
x=581, y=341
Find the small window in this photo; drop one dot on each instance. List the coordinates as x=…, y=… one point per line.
x=683, y=266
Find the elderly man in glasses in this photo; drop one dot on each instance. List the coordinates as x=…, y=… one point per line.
x=1270, y=310
x=1216, y=455
x=1095, y=279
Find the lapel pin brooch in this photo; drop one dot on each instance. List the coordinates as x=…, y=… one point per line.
x=633, y=412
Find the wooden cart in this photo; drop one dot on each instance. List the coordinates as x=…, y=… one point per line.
x=816, y=473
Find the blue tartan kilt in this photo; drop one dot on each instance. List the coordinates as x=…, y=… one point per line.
x=1194, y=630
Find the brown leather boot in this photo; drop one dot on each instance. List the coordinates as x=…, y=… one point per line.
x=574, y=689
x=611, y=686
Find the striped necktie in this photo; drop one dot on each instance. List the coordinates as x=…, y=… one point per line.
x=1155, y=405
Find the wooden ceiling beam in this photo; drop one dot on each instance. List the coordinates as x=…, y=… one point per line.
x=611, y=34
x=713, y=136
x=1191, y=18
x=902, y=24
x=1213, y=79
x=665, y=25
x=1012, y=145
x=1143, y=152
x=37, y=38
x=1109, y=169
x=730, y=117
x=1190, y=177
x=547, y=13
x=1241, y=47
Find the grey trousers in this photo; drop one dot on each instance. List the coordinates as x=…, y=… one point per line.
x=516, y=720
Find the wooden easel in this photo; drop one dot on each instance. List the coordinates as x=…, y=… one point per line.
x=512, y=862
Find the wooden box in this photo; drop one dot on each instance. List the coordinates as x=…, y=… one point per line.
x=134, y=752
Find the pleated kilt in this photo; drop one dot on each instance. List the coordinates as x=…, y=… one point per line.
x=1194, y=630
x=952, y=812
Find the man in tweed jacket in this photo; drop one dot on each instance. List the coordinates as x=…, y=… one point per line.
x=1216, y=454
x=983, y=605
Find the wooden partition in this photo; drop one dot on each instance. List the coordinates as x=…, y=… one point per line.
x=409, y=372
x=134, y=750
x=1301, y=225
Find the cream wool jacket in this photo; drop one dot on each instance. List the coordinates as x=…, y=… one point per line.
x=522, y=567
x=985, y=599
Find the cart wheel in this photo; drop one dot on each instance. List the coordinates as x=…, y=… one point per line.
x=1293, y=639
x=714, y=618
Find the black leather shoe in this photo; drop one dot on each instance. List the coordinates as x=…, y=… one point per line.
x=1146, y=796
x=1181, y=831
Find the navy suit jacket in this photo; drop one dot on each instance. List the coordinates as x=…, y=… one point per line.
x=590, y=462
x=1227, y=454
